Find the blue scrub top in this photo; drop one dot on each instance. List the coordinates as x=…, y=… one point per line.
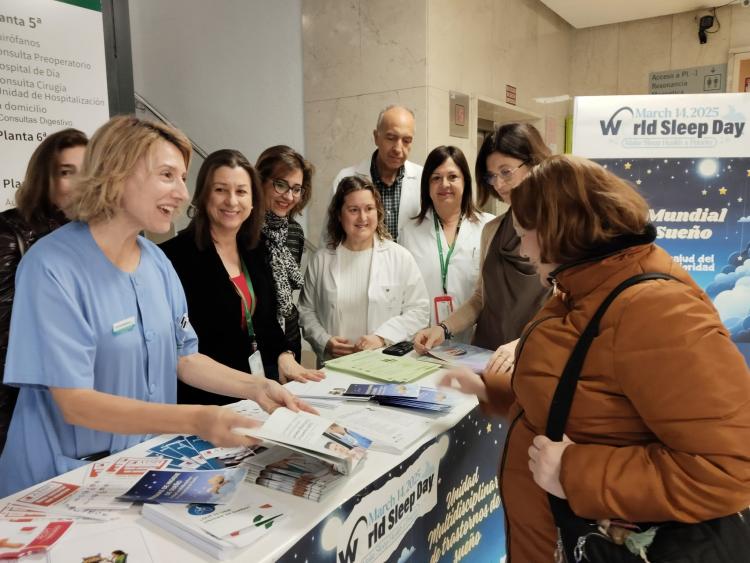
x=80, y=322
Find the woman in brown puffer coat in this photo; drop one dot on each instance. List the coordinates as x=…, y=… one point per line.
x=660, y=420
x=45, y=191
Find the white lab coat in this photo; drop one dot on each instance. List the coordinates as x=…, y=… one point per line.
x=398, y=305
x=410, y=188
x=463, y=268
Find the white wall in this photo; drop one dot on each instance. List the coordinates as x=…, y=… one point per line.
x=227, y=72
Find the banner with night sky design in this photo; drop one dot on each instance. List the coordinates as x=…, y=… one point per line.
x=440, y=505
x=689, y=155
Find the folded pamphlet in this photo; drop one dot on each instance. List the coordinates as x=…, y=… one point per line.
x=313, y=435
x=216, y=486
x=459, y=354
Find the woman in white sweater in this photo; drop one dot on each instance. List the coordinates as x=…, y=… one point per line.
x=362, y=291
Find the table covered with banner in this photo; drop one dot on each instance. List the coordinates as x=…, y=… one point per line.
x=436, y=501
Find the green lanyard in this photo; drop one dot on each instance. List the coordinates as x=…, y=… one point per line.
x=444, y=261
x=248, y=310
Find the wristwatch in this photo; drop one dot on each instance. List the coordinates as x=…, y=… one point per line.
x=446, y=331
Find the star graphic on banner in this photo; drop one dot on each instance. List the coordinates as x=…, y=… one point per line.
x=739, y=200
x=648, y=171
x=489, y=428
x=628, y=166
x=638, y=182
x=704, y=192
x=723, y=191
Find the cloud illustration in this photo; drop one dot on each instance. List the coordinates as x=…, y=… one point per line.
x=406, y=553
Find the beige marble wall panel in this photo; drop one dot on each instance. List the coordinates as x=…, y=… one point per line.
x=460, y=44
x=594, y=61
x=740, y=28
x=552, y=70
x=687, y=50
x=393, y=44
x=338, y=133
x=644, y=47
x=331, y=47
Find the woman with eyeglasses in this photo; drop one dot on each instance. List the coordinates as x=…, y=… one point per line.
x=223, y=267
x=444, y=237
x=286, y=178
x=508, y=292
x=362, y=291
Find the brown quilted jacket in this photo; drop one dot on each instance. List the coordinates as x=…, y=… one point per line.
x=661, y=416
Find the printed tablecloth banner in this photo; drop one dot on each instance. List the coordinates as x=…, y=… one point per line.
x=440, y=505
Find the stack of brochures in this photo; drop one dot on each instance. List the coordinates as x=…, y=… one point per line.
x=403, y=395
x=220, y=530
x=292, y=472
x=459, y=354
x=314, y=436
x=374, y=364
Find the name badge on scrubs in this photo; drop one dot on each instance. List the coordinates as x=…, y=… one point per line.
x=256, y=363
x=443, y=307
x=123, y=326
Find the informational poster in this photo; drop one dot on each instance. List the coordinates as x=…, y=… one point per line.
x=690, y=157
x=441, y=505
x=52, y=76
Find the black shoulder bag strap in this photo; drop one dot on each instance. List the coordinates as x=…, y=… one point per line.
x=566, y=387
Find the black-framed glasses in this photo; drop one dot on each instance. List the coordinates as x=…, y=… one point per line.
x=503, y=175
x=282, y=186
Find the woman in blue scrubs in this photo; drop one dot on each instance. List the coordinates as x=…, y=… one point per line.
x=100, y=331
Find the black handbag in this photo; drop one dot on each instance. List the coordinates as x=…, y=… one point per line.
x=722, y=540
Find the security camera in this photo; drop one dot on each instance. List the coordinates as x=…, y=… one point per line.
x=705, y=23
x=745, y=3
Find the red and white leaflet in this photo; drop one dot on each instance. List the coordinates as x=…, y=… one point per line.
x=100, y=492
x=20, y=539
x=49, y=494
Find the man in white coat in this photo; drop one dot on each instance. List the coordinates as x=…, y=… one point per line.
x=396, y=178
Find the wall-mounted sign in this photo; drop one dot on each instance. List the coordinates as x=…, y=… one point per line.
x=458, y=110
x=52, y=76
x=510, y=94
x=694, y=80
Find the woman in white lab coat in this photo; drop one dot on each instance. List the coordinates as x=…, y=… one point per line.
x=444, y=237
x=362, y=291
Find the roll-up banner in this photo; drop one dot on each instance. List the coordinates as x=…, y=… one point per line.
x=52, y=76
x=689, y=155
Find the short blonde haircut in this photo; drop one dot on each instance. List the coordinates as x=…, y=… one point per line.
x=111, y=158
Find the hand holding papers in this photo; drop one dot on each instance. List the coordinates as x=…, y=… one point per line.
x=464, y=355
x=314, y=436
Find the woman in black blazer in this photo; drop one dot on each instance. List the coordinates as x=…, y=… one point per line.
x=224, y=271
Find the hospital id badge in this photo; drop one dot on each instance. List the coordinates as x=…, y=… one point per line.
x=256, y=363
x=443, y=308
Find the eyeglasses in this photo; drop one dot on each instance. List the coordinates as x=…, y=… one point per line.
x=281, y=187
x=505, y=174
x=452, y=179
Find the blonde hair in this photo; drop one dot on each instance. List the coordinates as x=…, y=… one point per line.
x=111, y=158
